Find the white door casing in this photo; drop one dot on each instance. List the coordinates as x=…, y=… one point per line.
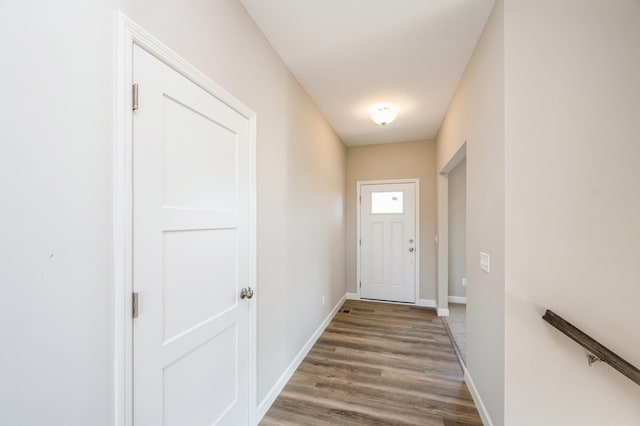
x=131, y=36
x=388, y=241
x=190, y=252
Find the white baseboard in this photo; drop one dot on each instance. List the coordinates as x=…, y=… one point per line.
x=484, y=414
x=442, y=312
x=268, y=400
x=458, y=299
x=352, y=296
x=429, y=303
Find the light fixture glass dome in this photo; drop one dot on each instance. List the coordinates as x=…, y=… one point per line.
x=384, y=113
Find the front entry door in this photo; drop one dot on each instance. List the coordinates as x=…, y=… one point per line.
x=190, y=253
x=388, y=242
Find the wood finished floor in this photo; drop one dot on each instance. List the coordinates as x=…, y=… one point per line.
x=378, y=364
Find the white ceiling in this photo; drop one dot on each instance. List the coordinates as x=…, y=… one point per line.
x=350, y=54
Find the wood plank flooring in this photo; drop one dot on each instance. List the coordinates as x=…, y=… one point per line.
x=378, y=364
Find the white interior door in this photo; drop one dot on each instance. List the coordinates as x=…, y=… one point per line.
x=388, y=242
x=190, y=253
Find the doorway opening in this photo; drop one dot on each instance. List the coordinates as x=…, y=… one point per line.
x=452, y=281
x=457, y=286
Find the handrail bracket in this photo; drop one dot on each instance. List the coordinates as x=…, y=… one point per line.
x=593, y=360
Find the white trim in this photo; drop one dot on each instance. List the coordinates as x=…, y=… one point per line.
x=128, y=33
x=253, y=267
x=484, y=414
x=460, y=155
x=417, y=220
x=443, y=226
x=428, y=303
x=442, y=312
x=123, y=348
x=443, y=240
x=358, y=246
x=295, y=363
x=458, y=299
x=387, y=181
x=352, y=296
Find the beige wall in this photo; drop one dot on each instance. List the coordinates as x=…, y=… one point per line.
x=476, y=115
x=551, y=120
x=457, y=180
x=395, y=161
x=573, y=207
x=57, y=234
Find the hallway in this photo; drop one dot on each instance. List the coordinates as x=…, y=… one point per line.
x=251, y=238
x=378, y=364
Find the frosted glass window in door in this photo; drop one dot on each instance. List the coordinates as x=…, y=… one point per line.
x=387, y=202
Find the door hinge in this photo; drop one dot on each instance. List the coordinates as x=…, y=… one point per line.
x=134, y=305
x=360, y=284
x=360, y=241
x=360, y=198
x=134, y=96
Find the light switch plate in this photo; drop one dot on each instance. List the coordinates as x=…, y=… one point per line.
x=485, y=262
x=464, y=282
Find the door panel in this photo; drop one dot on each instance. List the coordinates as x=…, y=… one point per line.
x=195, y=375
x=388, y=248
x=200, y=160
x=190, y=253
x=377, y=247
x=397, y=253
x=190, y=296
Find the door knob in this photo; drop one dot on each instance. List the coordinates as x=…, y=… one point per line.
x=411, y=249
x=246, y=292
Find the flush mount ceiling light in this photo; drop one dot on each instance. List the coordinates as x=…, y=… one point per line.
x=383, y=114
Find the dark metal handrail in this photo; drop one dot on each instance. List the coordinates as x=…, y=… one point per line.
x=597, y=350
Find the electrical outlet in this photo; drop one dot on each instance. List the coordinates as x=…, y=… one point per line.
x=464, y=282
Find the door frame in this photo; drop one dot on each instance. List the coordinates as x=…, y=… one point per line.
x=359, y=185
x=442, y=296
x=129, y=34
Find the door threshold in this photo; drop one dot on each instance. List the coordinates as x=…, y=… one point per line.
x=387, y=301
